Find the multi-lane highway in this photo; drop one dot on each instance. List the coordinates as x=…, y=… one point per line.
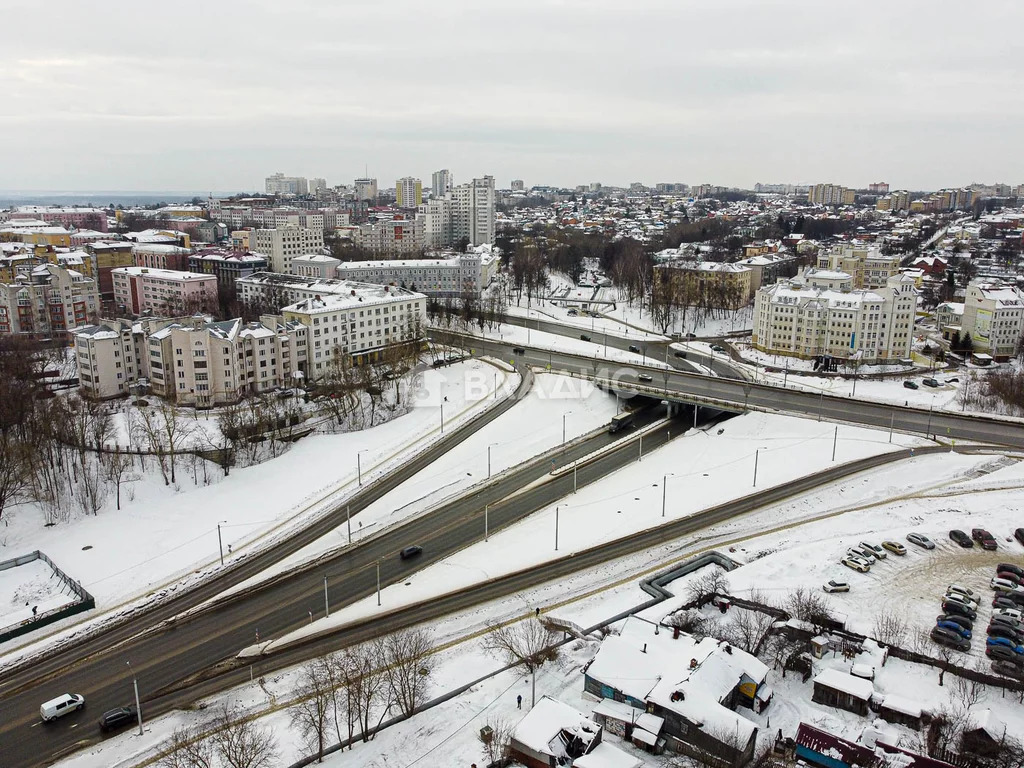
x=741, y=395
x=163, y=657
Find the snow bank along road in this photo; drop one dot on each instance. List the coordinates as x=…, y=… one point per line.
x=743, y=395
x=187, y=647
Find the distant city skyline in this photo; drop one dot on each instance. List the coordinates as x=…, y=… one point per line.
x=923, y=95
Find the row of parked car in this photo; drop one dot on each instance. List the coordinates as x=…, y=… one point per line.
x=1005, y=644
x=929, y=382
x=862, y=556
x=982, y=537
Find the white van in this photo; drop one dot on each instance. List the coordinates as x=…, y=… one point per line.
x=54, y=708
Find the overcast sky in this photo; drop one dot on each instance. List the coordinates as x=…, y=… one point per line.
x=216, y=95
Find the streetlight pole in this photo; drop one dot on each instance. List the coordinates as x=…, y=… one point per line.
x=488, y=462
x=835, y=439
x=892, y=419
x=348, y=522
x=138, y=704
x=327, y=605
x=220, y=544
x=556, y=529
x=821, y=404
x=641, y=449
x=574, y=475
x=757, y=454
x=442, y=418
x=378, y=583
x=359, y=466
x=486, y=522
x=664, y=488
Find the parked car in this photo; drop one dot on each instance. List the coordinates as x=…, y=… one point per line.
x=1005, y=632
x=961, y=538
x=1016, y=570
x=644, y=377
x=856, y=564
x=1018, y=534
x=1003, y=653
x=967, y=592
x=1014, y=613
x=689, y=336
x=60, y=706
x=410, y=551
x=680, y=355
x=873, y=549
x=1008, y=668
x=920, y=540
x=984, y=538
x=1011, y=577
x=930, y=382
x=518, y=351
x=1004, y=585
x=835, y=586
x=1009, y=621
x=1004, y=600
x=1006, y=643
x=895, y=547
x=961, y=621
x=950, y=638
x=954, y=606
x=117, y=718
x=634, y=348
x=864, y=554
x=717, y=348
x=952, y=380
x=952, y=625
x=909, y=384
x=584, y=337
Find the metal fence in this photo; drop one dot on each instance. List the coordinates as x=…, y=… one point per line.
x=83, y=602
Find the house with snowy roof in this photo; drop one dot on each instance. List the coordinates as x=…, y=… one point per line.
x=691, y=686
x=554, y=734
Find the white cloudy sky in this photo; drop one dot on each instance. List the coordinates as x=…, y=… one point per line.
x=215, y=95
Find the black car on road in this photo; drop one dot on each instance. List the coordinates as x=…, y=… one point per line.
x=117, y=718
x=410, y=551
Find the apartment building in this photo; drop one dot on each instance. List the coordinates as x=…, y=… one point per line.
x=366, y=189
x=358, y=324
x=391, y=237
x=518, y=185
x=408, y=192
x=226, y=265
x=279, y=184
x=463, y=274
x=728, y=286
x=993, y=315
x=473, y=206
x=47, y=301
x=35, y=232
x=190, y=361
x=821, y=313
x=436, y=217
x=163, y=291
x=281, y=244
x=441, y=182
x=894, y=201
x=161, y=256
x=868, y=267
x=75, y=218
x=830, y=194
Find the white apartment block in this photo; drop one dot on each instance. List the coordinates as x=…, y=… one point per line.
x=868, y=267
x=993, y=315
x=395, y=236
x=436, y=216
x=820, y=313
x=279, y=184
x=357, y=324
x=473, y=211
x=366, y=189
x=190, y=361
x=441, y=182
x=281, y=244
x=408, y=192
x=47, y=301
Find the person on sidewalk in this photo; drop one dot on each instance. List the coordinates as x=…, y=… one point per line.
x=519, y=702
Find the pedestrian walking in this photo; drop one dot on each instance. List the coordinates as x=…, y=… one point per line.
x=519, y=702
x=538, y=613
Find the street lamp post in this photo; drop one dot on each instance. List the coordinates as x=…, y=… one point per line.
x=486, y=522
x=359, y=466
x=835, y=439
x=442, y=418
x=757, y=454
x=556, y=529
x=327, y=605
x=664, y=490
x=220, y=542
x=378, y=583
x=348, y=522
x=138, y=704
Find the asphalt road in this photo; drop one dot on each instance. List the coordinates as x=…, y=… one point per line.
x=655, y=350
x=683, y=386
x=173, y=652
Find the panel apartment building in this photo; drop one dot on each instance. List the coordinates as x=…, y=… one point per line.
x=281, y=244
x=831, y=194
x=821, y=313
x=47, y=301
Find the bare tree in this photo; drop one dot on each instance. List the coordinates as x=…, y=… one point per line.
x=119, y=470
x=890, y=628
x=311, y=714
x=187, y=748
x=241, y=742
x=529, y=643
x=496, y=743
x=15, y=470
x=810, y=607
x=712, y=582
x=366, y=688
x=407, y=657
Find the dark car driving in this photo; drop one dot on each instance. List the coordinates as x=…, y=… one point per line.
x=961, y=538
x=411, y=551
x=117, y=718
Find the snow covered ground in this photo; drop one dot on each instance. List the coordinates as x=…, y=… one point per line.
x=590, y=323
x=166, y=533
x=33, y=584
x=724, y=321
x=701, y=468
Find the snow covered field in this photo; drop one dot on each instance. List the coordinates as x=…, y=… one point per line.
x=166, y=533
x=553, y=312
